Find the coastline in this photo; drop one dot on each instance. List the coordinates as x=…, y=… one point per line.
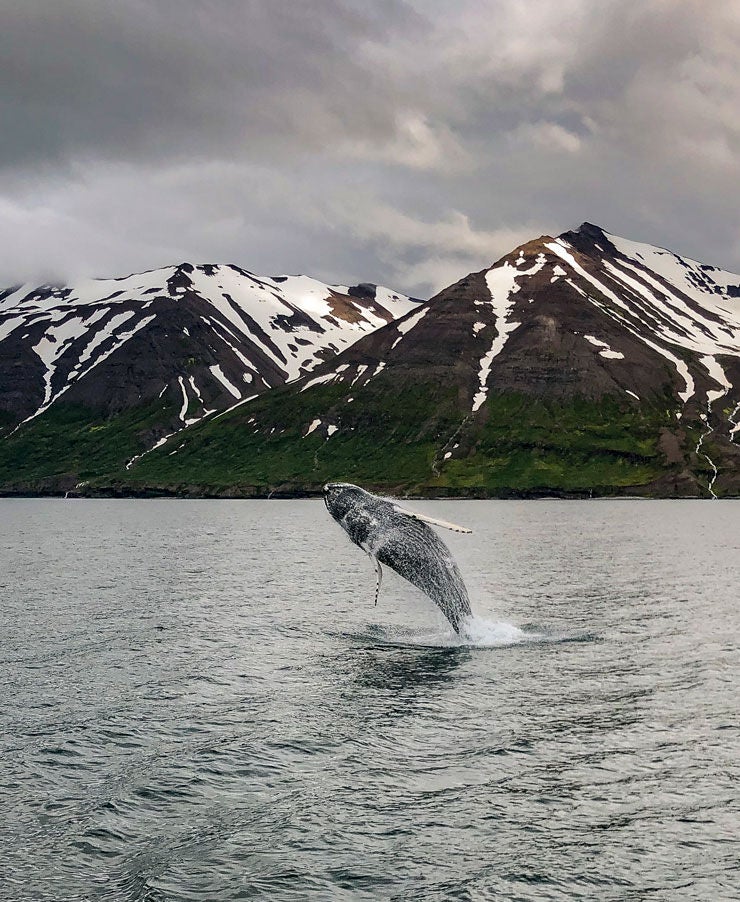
x=277, y=493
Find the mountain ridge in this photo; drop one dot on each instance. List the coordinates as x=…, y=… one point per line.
x=584, y=363
x=203, y=336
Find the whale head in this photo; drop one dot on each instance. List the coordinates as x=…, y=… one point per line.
x=359, y=513
x=342, y=498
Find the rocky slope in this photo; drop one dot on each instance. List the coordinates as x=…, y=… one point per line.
x=580, y=364
x=140, y=358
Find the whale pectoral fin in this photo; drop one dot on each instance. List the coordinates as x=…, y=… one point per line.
x=379, y=580
x=445, y=524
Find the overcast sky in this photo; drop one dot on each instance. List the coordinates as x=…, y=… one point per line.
x=404, y=142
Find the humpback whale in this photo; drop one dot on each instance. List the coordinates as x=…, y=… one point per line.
x=403, y=541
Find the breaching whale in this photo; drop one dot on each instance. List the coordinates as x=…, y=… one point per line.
x=402, y=540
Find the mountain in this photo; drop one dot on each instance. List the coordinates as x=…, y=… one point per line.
x=95, y=374
x=577, y=365
x=582, y=364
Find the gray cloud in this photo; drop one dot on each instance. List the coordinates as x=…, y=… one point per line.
x=158, y=79
x=400, y=142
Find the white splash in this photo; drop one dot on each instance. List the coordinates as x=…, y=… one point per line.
x=475, y=632
x=487, y=633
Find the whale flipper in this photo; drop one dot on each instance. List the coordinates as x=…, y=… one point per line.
x=425, y=518
x=379, y=579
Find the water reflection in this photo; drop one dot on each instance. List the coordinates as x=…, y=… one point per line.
x=386, y=684
x=404, y=670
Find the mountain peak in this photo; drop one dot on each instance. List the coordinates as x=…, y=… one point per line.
x=587, y=234
x=590, y=228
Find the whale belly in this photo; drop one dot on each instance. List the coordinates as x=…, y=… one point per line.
x=418, y=555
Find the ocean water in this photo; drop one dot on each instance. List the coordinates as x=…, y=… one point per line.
x=200, y=702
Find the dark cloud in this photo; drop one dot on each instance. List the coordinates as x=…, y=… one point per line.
x=404, y=142
x=173, y=78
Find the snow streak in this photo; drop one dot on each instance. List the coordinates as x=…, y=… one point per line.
x=624, y=319
x=502, y=284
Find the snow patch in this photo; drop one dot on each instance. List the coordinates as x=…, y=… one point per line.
x=718, y=374
x=110, y=328
x=501, y=281
x=185, y=400
x=196, y=390
x=220, y=375
x=10, y=325
x=319, y=380
x=605, y=351
x=734, y=421
x=406, y=325
x=360, y=372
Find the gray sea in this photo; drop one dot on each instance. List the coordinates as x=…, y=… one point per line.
x=200, y=702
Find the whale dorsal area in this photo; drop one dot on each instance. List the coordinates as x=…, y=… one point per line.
x=445, y=524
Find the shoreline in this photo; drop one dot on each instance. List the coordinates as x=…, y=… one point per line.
x=307, y=495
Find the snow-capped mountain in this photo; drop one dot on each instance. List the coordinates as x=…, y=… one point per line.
x=203, y=337
x=587, y=313
x=577, y=363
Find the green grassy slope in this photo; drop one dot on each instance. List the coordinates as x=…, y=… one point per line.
x=391, y=437
x=69, y=444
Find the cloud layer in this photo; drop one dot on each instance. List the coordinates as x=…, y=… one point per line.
x=399, y=142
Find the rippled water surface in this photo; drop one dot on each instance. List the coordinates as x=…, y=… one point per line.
x=201, y=702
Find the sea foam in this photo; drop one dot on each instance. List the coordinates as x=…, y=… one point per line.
x=478, y=631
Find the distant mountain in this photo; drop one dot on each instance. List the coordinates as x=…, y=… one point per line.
x=140, y=358
x=575, y=365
